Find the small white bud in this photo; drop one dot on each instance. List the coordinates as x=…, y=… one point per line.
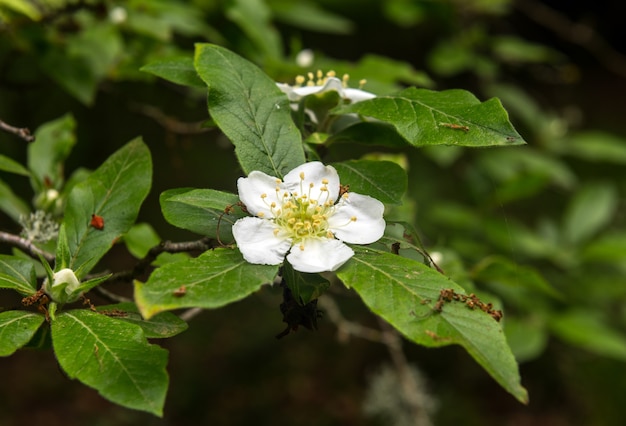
x=305, y=58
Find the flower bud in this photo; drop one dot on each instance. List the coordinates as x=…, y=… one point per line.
x=64, y=283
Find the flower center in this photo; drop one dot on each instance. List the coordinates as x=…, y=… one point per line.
x=298, y=215
x=319, y=79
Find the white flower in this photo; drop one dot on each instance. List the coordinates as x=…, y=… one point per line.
x=64, y=283
x=318, y=83
x=305, y=218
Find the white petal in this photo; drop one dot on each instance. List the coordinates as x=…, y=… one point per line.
x=357, y=95
x=257, y=242
x=289, y=91
x=369, y=225
x=319, y=255
x=333, y=83
x=314, y=172
x=250, y=191
x=303, y=91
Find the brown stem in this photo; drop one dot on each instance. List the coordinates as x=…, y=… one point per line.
x=346, y=328
x=25, y=245
x=21, y=132
x=142, y=266
x=410, y=387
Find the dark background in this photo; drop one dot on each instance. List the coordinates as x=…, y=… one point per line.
x=228, y=369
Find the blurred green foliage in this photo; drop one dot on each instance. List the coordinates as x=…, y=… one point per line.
x=542, y=227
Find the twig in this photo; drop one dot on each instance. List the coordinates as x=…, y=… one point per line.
x=21, y=132
x=169, y=123
x=576, y=33
x=25, y=245
x=388, y=336
x=142, y=266
x=410, y=387
x=110, y=296
x=190, y=313
x=346, y=328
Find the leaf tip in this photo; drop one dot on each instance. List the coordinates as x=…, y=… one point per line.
x=146, y=310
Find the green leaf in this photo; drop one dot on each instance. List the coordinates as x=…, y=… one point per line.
x=452, y=117
x=18, y=275
x=140, y=239
x=404, y=292
x=250, y=109
x=376, y=133
x=527, y=337
x=609, y=248
x=85, y=59
x=179, y=70
x=62, y=254
x=201, y=211
x=596, y=146
x=115, y=192
x=214, y=279
x=304, y=287
x=384, y=180
x=9, y=165
x=53, y=143
x=85, y=286
x=159, y=326
x=17, y=328
x=22, y=6
x=11, y=204
x=502, y=271
x=590, y=210
x=523, y=163
x=587, y=330
x=254, y=18
x=113, y=357
x=515, y=49
x=310, y=16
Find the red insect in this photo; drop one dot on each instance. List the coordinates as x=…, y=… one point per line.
x=97, y=222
